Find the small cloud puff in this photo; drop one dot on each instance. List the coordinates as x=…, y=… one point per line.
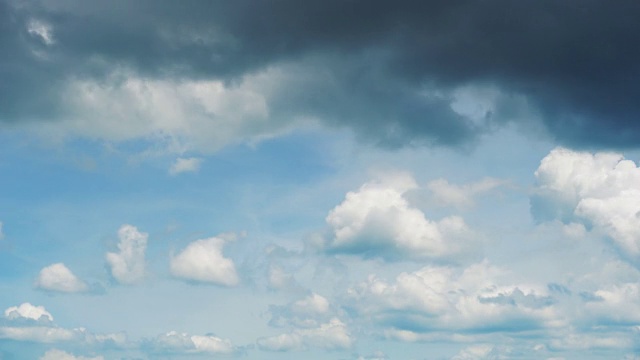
x=174, y=342
x=203, y=261
x=182, y=165
x=55, y=354
x=59, y=278
x=378, y=221
x=128, y=264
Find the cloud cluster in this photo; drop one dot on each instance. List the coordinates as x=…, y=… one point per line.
x=433, y=299
x=203, y=261
x=378, y=221
x=601, y=190
x=128, y=264
x=31, y=323
x=314, y=324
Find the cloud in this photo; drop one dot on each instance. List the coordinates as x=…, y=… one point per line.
x=28, y=311
x=35, y=324
x=55, y=354
x=203, y=261
x=437, y=72
x=307, y=312
x=378, y=221
x=57, y=277
x=476, y=299
x=601, y=190
x=332, y=335
x=174, y=342
x=1, y=232
x=480, y=352
x=128, y=265
x=41, y=334
x=182, y=165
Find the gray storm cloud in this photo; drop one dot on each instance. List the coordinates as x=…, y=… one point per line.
x=390, y=72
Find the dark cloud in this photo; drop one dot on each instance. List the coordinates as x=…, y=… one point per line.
x=576, y=62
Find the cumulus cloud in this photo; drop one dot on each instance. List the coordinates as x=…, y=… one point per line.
x=55, y=354
x=57, y=277
x=203, y=261
x=601, y=190
x=431, y=299
x=128, y=264
x=175, y=342
x=332, y=335
x=182, y=165
x=378, y=221
x=28, y=311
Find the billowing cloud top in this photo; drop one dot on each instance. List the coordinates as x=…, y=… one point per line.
x=436, y=72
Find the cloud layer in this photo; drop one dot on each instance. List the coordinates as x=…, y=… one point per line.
x=562, y=66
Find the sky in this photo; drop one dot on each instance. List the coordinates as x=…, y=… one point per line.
x=349, y=180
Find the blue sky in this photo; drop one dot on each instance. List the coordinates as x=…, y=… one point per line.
x=285, y=180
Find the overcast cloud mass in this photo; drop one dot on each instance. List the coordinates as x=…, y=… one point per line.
x=288, y=179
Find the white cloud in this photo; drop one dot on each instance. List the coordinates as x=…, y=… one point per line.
x=377, y=221
x=480, y=352
x=331, y=336
x=41, y=30
x=182, y=165
x=602, y=189
x=55, y=354
x=202, y=260
x=185, y=343
x=312, y=304
x=27, y=311
x=446, y=299
x=58, y=277
x=445, y=193
x=128, y=265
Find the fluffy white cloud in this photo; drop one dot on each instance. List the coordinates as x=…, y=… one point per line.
x=202, y=260
x=58, y=277
x=378, y=221
x=185, y=343
x=446, y=299
x=331, y=335
x=55, y=354
x=128, y=265
x=182, y=165
x=27, y=311
x=601, y=189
